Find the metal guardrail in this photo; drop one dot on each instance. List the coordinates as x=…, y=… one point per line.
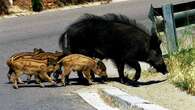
x=172, y=16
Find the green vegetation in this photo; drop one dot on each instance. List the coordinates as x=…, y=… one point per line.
x=187, y=38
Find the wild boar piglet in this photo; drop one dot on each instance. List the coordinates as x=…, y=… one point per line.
x=84, y=64
x=38, y=68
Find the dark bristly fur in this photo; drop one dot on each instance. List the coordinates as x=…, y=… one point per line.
x=115, y=37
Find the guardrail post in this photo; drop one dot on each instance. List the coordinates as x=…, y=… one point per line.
x=170, y=28
x=152, y=18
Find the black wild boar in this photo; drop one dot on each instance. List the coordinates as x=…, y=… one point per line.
x=115, y=37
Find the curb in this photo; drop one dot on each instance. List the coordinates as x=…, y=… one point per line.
x=117, y=98
x=92, y=97
x=104, y=97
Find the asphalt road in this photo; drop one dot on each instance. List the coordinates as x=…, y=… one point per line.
x=42, y=31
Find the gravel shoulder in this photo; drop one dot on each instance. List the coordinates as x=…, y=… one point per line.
x=160, y=93
x=155, y=88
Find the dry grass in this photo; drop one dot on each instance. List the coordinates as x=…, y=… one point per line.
x=182, y=70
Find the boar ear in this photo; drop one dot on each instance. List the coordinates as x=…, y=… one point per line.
x=101, y=65
x=38, y=50
x=96, y=59
x=41, y=50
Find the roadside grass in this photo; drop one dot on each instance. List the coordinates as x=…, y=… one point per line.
x=182, y=70
x=182, y=64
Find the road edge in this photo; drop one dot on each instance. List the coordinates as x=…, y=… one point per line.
x=115, y=98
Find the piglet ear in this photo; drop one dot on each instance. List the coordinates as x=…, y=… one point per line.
x=101, y=65
x=96, y=59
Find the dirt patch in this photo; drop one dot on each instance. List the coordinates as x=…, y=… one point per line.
x=27, y=5
x=51, y=4
x=16, y=11
x=4, y=6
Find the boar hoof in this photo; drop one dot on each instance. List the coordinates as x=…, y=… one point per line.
x=9, y=78
x=54, y=84
x=134, y=79
x=64, y=84
x=15, y=87
x=21, y=82
x=123, y=80
x=42, y=85
x=90, y=82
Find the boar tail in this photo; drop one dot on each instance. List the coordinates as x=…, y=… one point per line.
x=63, y=41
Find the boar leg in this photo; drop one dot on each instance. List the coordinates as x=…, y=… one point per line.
x=80, y=75
x=45, y=76
x=120, y=67
x=15, y=85
x=64, y=76
x=37, y=79
x=67, y=79
x=137, y=67
x=56, y=74
x=15, y=79
x=62, y=79
x=20, y=81
x=87, y=74
x=92, y=76
x=10, y=72
x=29, y=77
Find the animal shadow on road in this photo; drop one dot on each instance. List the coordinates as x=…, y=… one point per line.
x=33, y=83
x=76, y=81
x=137, y=83
x=37, y=85
x=84, y=82
x=143, y=83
